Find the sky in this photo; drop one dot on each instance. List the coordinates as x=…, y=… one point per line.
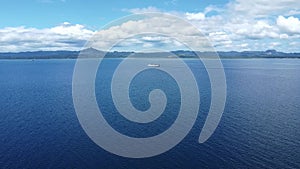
x=230, y=25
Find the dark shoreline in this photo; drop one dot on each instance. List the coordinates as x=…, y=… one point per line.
x=93, y=53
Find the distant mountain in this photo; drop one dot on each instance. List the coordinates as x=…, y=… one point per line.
x=235, y=54
x=93, y=53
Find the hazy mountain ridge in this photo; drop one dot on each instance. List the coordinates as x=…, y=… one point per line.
x=93, y=53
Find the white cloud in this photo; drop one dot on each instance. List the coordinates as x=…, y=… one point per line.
x=244, y=45
x=195, y=16
x=253, y=29
x=258, y=23
x=63, y=37
x=263, y=8
x=250, y=21
x=293, y=12
x=170, y=30
x=72, y=31
x=274, y=44
x=290, y=25
x=220, y=39
x=284, y=36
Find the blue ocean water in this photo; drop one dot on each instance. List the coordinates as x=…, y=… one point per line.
x=259, y=127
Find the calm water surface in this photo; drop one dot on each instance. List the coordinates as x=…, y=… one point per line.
x=259, y=127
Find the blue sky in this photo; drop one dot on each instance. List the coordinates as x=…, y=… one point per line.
x=31, y=25
x=93, y=13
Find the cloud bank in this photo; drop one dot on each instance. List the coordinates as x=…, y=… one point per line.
x=238, y=25
x=62, y=37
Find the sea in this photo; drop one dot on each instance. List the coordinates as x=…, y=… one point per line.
x=260, y=126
